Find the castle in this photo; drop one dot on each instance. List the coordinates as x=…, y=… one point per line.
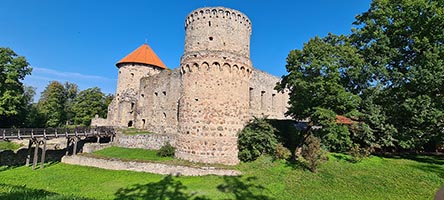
x=206, y=101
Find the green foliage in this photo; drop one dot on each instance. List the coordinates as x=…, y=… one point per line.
x=387, y=75
x=282, y=152
x=358, y=153
x=166, y=150
x=257, y=138
x=52, y=104
x=9, y=146
x=312, y=152
x=87, y=104
x=13, y=99
x=403, y=46
x=316, y=77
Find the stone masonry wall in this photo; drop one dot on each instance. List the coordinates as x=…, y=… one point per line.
x=157, y=108
x=122, y=110
x=264, y=100
x=156, y=168
x=216, y=69
x=146, y=141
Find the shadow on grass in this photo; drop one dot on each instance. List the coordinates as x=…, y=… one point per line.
x=430, y=158
x=15, y=159
x=167, y=188
x=170, y=188
x=247, y=189
x=22, y=192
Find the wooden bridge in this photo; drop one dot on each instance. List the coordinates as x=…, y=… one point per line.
x=39, y=136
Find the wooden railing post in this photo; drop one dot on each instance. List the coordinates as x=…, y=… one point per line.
x=28, y=155
x=75, y=146
x=36, y=154
x=67, y=145
x=42, y=162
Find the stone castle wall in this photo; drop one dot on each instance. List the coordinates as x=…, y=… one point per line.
x=205, y=102
x=216, y=69
x=152, y=141
x=264, y=100
x=158, y=104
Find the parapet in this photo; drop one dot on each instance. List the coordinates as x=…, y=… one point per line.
x=218, y=12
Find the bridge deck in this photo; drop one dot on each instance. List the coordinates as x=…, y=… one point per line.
x=50, y=133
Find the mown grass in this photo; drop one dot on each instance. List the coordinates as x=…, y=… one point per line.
x=373, y=178
x=9, y=146
x=134, y=131
x=130, y=154
x=143, y=155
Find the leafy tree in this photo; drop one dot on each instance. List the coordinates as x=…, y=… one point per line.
x=312, y=153
x=71, y=91
x=323, y=79
x=87, y=104
x=256, y=139
x=52, y=104
x=13, y=69
x=402, y=44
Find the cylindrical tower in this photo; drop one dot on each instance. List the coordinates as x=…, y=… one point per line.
x=139, y=63
x=216, y=69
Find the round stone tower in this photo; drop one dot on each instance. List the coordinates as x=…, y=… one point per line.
x=216, y=69
x=139, y=63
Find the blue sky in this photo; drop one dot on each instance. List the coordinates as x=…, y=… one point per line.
x=81, y=40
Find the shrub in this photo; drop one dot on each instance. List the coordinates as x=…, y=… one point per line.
x=166, y=150
x=282, y=152
x=358, y=154
x=257, y=138
x=312, y=153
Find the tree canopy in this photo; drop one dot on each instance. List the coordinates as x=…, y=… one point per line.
x=387, y=76
x=13, y=99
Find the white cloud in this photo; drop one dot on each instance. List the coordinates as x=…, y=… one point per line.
x=68, y=74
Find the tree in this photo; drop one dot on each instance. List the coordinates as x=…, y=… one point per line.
x=13, y=69
x=323, y=78
x=312, y=152
x=402, y=43
x=71, y=91
x=257, y=138
x=87, y=104
x=52, y=104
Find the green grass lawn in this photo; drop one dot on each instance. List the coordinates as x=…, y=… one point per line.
x=143, y=155
x=416, y=177
x=9, y=146
x=134, y=131
x=130, y=154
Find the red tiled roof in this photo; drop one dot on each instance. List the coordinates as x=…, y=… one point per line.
x=143, y=55
x=343, y=120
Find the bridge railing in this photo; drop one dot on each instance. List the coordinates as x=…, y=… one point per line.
x=49, y=133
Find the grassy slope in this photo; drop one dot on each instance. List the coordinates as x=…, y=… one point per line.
x=130, y=154
x=374, y=178
x=9, y=146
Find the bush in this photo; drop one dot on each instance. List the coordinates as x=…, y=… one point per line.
x=281, y=152
x=166, y=150
x=358, y=154
x=257, y=138
x=312, y=153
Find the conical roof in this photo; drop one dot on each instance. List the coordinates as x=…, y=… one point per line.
x=143, y=55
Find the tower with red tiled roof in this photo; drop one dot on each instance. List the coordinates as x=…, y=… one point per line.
x=142, y=62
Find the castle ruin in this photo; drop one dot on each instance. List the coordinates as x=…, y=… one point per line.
x=206, y=101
